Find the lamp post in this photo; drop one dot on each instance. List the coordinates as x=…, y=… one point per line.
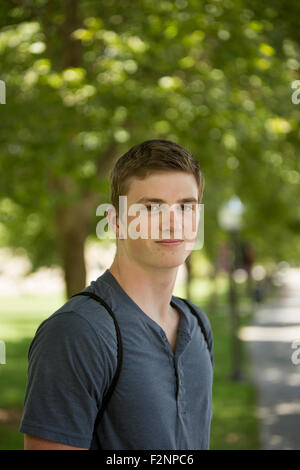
x=230, y=220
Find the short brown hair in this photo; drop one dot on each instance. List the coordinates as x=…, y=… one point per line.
x=151, y=155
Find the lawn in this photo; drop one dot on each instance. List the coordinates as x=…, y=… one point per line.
x=234, y=424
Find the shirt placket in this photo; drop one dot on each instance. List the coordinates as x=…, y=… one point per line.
x=178, y=365
x=183, y=340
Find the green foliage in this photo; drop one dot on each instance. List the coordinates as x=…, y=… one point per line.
x=214, y=76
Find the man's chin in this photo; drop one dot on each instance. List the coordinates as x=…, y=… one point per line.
x=174, y=262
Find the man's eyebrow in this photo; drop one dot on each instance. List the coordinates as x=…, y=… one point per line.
x=154, y=199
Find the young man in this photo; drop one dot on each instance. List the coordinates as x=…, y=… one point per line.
x=163, y=397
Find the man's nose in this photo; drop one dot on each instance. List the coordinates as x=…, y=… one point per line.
x=175, y=220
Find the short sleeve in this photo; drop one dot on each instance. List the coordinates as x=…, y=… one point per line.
x=69, y=370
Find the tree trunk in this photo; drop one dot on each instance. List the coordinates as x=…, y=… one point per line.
x=72, y=53
x=73, y=227
x=73, y=262
x=73, y=219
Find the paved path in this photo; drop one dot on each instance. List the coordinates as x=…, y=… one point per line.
x=275, y=327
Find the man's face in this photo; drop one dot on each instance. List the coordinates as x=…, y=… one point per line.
x=173, y=215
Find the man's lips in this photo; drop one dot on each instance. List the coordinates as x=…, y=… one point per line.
x=172, y=241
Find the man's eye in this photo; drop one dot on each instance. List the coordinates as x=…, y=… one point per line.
x=183, y=207
x=186, y=207
x=153, y=208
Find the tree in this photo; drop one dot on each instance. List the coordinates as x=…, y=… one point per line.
x=86, y=81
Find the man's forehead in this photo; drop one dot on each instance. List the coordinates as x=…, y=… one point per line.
x=164, y=186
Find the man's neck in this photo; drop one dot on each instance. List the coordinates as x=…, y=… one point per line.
x=151, y=289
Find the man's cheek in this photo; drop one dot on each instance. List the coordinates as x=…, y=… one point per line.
x=190, y=225
x=136, y=228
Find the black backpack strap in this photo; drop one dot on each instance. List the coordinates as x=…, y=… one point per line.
x=193, y=310
x=109, y=392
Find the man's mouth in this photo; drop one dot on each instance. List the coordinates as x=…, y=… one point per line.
x=170, y=242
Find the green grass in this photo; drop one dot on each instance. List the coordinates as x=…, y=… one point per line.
x=234, y=424
x=10, y=439
x=20, y=317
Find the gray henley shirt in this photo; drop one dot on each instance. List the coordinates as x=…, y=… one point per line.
x=163, y=400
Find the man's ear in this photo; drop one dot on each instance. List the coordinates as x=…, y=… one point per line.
x=113, y=220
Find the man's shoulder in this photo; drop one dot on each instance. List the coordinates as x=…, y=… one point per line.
x=192, y=306
x=78, y=316
x=78, y=329
x=205, y=322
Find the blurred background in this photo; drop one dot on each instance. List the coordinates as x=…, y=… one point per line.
x=86, y=80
